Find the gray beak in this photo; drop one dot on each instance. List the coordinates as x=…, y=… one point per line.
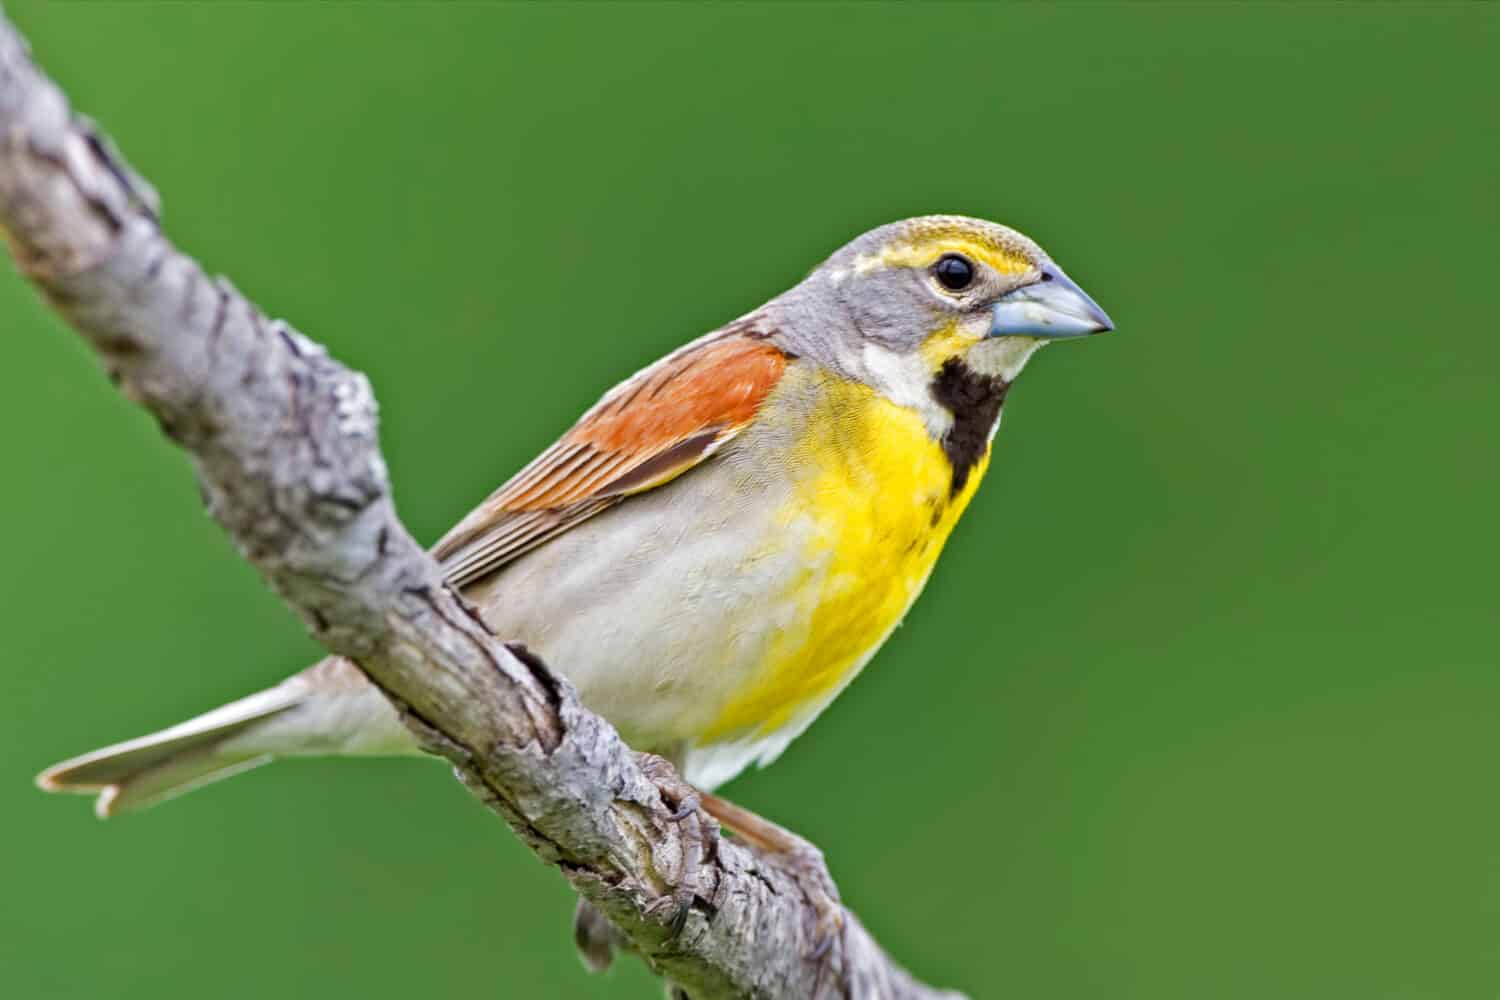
x=1052, y=307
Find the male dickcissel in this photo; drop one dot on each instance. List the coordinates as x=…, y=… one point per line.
x=716, y=548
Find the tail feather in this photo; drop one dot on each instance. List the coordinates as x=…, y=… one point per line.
x=152, y=769
x=158, y=784
x=329, y=708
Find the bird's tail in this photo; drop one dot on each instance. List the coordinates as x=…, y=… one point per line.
x=329, y=709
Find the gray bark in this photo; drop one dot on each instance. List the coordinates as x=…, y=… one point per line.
x=283, y=440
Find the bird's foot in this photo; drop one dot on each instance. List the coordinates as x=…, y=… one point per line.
x=793, y=855
x=811, y=873
x=594, y=936
x=698, y=842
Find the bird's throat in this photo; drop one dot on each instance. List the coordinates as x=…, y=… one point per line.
x=975, y=400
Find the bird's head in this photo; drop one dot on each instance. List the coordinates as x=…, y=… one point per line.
x=934, y=292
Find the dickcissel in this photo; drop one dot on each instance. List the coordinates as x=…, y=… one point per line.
x=719, y=545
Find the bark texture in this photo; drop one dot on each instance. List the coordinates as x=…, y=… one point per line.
x=283, y=440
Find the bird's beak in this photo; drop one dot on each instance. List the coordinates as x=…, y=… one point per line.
x=1052, y=307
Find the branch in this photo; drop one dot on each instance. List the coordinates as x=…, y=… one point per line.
x=283, y=440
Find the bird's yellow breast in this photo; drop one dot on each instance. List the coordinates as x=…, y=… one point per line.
x=872, y=505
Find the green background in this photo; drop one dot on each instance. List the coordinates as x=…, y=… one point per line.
x=1201, y=701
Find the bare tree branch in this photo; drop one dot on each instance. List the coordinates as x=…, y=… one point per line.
x=283, y=439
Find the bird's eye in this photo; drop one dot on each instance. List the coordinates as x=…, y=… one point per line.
x=953, y=272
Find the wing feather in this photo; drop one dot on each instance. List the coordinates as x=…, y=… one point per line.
x=645, y=432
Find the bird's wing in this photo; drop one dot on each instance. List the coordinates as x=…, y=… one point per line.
x=645, y=432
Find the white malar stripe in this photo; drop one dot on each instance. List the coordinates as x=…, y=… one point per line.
x=906, y=380
x=1003, y=356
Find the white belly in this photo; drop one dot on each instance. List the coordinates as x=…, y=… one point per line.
x=662, y=609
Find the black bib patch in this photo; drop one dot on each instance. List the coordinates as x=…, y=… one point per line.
x=975, y=401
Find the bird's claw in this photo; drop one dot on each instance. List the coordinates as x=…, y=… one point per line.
x=806, y=866
x=685, y=808
x=697, y=840
x=676, y=793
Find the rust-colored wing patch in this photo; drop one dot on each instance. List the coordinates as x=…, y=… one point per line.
x=645, y=432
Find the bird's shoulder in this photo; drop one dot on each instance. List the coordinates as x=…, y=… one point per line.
x=643, y=433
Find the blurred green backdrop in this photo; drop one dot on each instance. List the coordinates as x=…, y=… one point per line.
x=1200, y=703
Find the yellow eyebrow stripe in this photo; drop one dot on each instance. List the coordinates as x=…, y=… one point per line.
x=927, y=251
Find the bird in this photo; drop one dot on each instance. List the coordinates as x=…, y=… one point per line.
x=715, y=550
